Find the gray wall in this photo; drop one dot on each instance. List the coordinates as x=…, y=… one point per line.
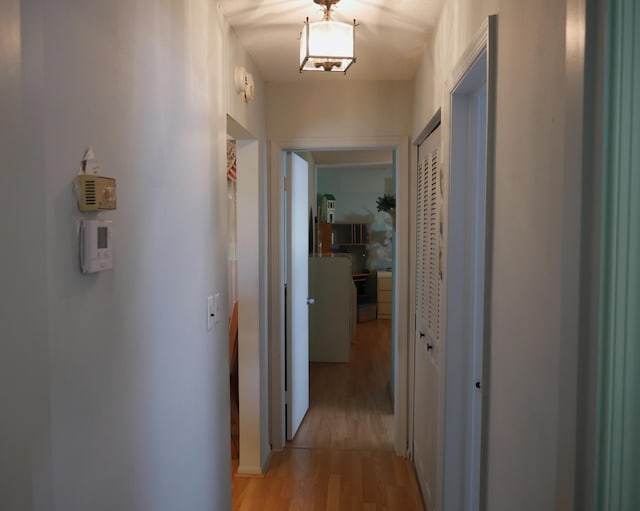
x=114, y=394
x=25, y=453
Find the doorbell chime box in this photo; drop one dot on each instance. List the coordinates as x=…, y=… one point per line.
x=97, y=193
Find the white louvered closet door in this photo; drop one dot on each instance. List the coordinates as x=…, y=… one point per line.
x=429, y=245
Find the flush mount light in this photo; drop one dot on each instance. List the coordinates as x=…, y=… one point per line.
x=327, y=45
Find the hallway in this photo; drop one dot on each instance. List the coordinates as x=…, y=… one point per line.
x=342, y=456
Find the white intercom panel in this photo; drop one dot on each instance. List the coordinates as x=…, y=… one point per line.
x=96, y=245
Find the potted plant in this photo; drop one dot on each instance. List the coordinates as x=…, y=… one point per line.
x=387, y=203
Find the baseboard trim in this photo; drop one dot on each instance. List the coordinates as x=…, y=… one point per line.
x=254, y=471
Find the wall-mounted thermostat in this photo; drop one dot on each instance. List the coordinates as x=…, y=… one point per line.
x=97, y=193
x=96, y=245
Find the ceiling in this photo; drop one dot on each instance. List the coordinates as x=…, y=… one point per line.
x=390, y=36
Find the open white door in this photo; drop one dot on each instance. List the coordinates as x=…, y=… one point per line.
x=297, y=339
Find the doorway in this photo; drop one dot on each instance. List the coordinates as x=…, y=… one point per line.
x=468, y=264
x=465, y=302
x=349, y=337
x=277, y=319
x=250, y=274
x=232, y=293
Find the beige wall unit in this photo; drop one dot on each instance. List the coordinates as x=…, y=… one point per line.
x=332, y=318
x=384, y=295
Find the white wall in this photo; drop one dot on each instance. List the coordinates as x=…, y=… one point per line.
x=525, y=422
x=249, y=115
x=326, y=109
x=118, y=394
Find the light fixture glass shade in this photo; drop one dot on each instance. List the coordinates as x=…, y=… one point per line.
x=327, y=46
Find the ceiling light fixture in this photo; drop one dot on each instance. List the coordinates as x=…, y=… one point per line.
x=327, y=45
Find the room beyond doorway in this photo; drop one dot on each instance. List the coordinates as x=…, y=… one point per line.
x=351, y=244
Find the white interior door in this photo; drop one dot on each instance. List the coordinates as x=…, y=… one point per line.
x=465, y=308
x=476, y=287
x=429, y=244
x=297, y=339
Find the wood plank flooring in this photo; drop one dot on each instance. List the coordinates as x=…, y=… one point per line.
x=350, y=404
x=330, y=480
x=342, y=456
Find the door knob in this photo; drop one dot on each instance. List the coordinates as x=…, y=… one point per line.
x=429, y=347
x=311, y=301
x=421, y=335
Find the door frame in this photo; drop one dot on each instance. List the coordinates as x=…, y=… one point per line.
x=400, y=147
x=481, y=56
x=252, y=368
x=465, y=295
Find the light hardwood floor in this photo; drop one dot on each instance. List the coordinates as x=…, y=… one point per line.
x=342, y=456
x=350, y=404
